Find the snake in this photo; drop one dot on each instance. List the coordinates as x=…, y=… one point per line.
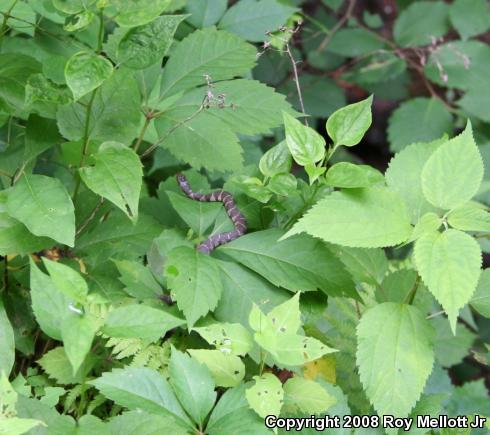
x=239, y=222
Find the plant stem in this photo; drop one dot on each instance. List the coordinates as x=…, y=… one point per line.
x=142, y=134
x=338, y=26
x=6, y=15
x=91, y=217
x=296, y=80
x=411, y=295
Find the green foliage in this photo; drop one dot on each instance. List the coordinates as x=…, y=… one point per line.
x=352, y=289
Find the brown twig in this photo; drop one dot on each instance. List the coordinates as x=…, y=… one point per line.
x=91, y=217
x=338, y=26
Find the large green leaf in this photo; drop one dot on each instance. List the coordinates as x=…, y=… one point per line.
x=140, y=321
x=138, y=279
x=306, y=396
x=85, y=72
x=141, y=388
x=394, y=356
x=349, y=175
x=67, y=280
x=354, y=42
x=227, y=370
x=142, y=46
x=252, y=19
x=205, y=13
x=49, y=305
x=43, y=205
x=194, y=280
x=7, y=343
x=451, y=349
x=420, y=22
x=193, y=385
x=285, y=265
x=115, y=114
x=481, y=298
x=117, y=176
x=138, y=12
x=403, y=176
x=418, y=120
x=218, y=54
x=348, y=125
x=458, y=156
x=365, y=265
x=469, y=217
x=230, y=338
x=276, y=160
x=365, y=218
x=449, y=263
x=470, y=17
x=266, y=396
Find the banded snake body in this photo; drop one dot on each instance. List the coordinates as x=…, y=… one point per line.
x=231, y=208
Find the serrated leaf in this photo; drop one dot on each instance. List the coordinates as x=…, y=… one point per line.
x=404, y=176
x=348, y=125
x=305, y=144
x=251, y=19
x=283, y=264
x=194, y=280
x=365, y=218
x=140, y=321
x=145, y=45
x=138, y=12
x=77, y=333
x=458, y=156
x=394, y=356
x=7, y=343
x=193, y=385
x=306, y=396
x=469, y=217
x=141, y=388
x=420, y=22
x=276, y=160
x=349, y=175
x=117, y=176
x=418, y=120
x=85, y=72
x=138, y=279
x=449, y=264
x=43, y=205
x=218, y=54
x=227, y=370
x=365, y=265
x=56, y=364
x=428, y=223
x=481, y=298
x=205, y=13
x=266, y=396
x=67, y=280
x=231, y=338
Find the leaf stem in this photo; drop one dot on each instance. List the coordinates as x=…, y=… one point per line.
x=338, y=26
x=296, y=81
x=411, y=295
x=142, y=133
x=91, y=217
x=6, y=15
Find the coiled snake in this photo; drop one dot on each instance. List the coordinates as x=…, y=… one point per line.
x=226, y=198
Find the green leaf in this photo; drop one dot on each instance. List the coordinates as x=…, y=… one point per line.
x=349, y=175
x=15, y=425
x=143, y=423
x=138, y=12
x=115, y=114
x=67, y=280
x=365, y=218
x=365, y=265
x=394, y=356
x=449, y=263
x=284, y=265
x=348, y=125
x=285, y=318
x=428, y=223
x=117, y=176
x=266, y=396
x=194, y=280
x=474, y=102
x=77, y=332
x=48, y=304
x=314, y=172
x=43, y=205
x=276, y=160
x=79, y=22
x=140, y=321
x=141, y=388
x=56, y=364
x=15, y=238
x=7, y=343
x=218, y=54
x=354, y=42
x=243, y=288
x=481, y=298
x=205, y=13
x=451, y=349
x=418, y=120
x=227, y=370
x=145, y=45
x=404, y=176
x=458, y=156
x=420, y=22
x=470, y=17
x=469, y=217
x=305, y=144
x=251, y=19
x=193, y=384
x=283, y=184
x=306, y=396
x=41, y=134
x=72, y=6
x=138, y=279
x=85, y=72
x=230, y=338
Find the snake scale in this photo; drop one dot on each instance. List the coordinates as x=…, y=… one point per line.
x=226, y=198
